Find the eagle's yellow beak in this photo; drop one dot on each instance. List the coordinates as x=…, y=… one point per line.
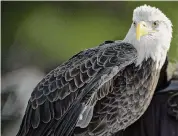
x=141, y=30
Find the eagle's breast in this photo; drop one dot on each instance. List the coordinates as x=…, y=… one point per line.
x=136, y=91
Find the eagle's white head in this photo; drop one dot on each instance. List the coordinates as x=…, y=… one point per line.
x=150, y=33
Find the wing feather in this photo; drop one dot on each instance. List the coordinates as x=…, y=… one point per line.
x=71, y=84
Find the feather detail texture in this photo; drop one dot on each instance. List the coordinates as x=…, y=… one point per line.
x=75, y=82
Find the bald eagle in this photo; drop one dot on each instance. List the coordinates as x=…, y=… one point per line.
x=102, y=90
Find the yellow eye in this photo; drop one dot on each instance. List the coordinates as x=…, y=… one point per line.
x=134, y=23
x=155, y=23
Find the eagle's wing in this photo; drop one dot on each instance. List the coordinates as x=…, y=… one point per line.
x=58, y=102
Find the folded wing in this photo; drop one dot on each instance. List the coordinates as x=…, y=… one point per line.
x=66, y=96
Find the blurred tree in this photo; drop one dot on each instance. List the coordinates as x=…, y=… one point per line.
x=54, y=31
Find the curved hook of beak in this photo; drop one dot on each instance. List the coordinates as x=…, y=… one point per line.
x=141, y=30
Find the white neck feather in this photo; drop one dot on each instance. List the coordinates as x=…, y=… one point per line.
x=148, y=47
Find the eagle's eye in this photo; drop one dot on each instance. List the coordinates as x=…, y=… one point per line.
x=134, y=23
x=155, y=23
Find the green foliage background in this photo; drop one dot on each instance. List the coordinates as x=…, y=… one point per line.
x=58, y=30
